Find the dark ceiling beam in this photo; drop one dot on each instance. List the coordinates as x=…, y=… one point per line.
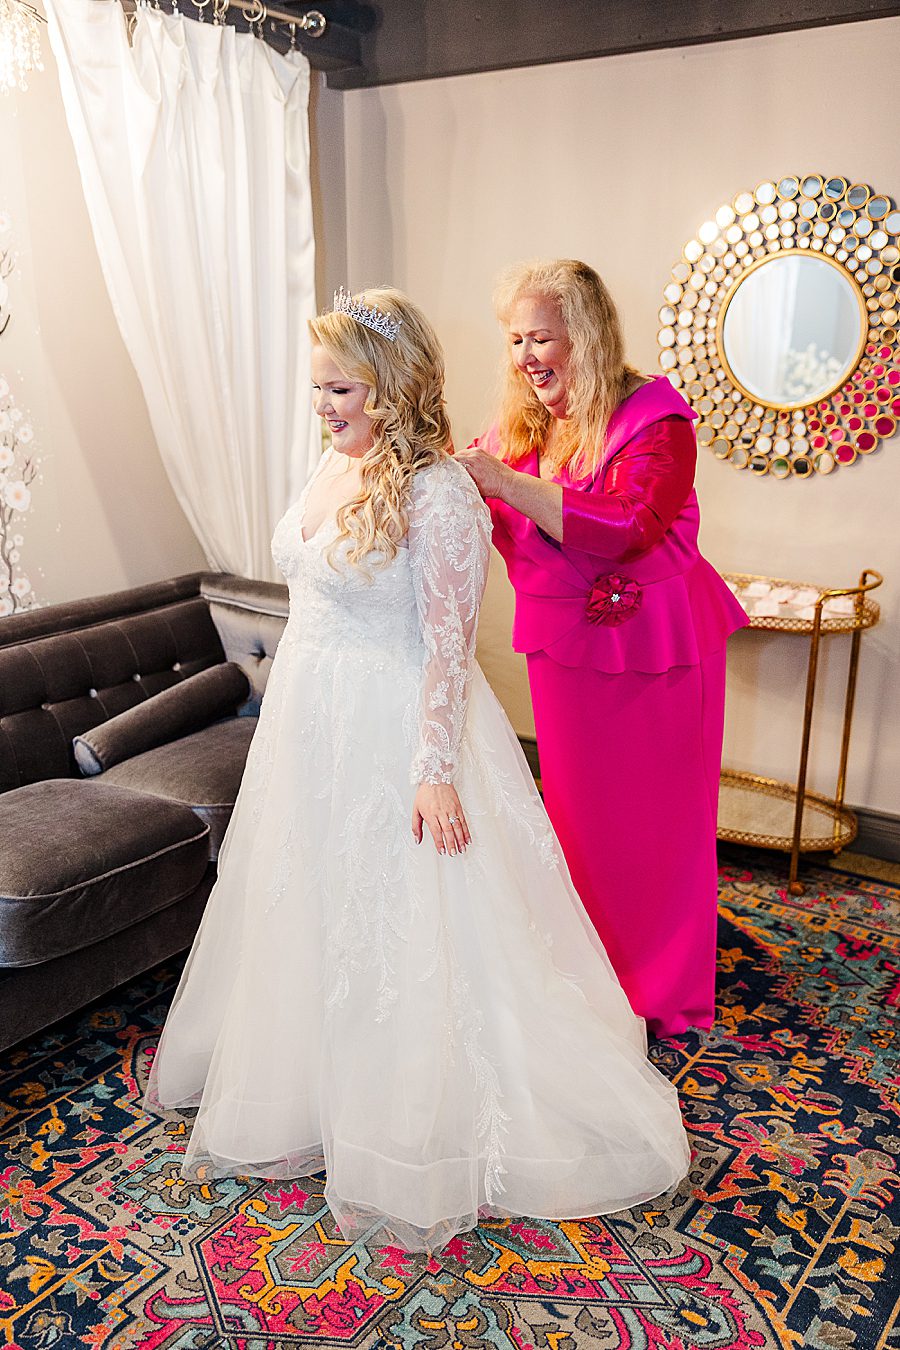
x=426, y=39
x=340, y=46
x=337, y=51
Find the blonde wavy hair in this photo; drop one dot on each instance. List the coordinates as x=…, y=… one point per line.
x=598, y=373
x=410, y=427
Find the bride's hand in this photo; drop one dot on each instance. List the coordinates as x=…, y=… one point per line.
x=437, y=806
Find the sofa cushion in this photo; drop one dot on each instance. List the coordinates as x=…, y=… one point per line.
x=202, y=770
x=81, y=860
x=185, y=707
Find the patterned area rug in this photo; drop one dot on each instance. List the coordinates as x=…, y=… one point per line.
x=785, y=1233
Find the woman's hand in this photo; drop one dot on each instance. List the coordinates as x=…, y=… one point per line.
x=437, y=806
x=489, y=472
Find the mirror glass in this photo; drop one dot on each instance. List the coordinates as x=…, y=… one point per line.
x=792, y=329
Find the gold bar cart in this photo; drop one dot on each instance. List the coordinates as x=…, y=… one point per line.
x=790, y=817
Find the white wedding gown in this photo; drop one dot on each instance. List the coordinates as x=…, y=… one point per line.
x=446, y=1033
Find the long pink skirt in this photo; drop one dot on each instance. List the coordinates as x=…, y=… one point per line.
x=630, y=769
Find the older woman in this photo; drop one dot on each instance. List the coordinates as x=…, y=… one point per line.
x=589, y=475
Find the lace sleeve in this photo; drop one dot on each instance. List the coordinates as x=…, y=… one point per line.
x=449, y=548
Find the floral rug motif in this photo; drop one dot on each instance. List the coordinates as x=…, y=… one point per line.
x=785, y=1234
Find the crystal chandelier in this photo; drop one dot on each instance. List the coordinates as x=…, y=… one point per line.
x=20, y=44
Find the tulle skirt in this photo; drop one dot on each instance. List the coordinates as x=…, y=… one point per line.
x=444, y=1034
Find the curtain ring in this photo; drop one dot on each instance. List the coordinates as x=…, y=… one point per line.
x=293, y=31
x=256, y=17
x=201, y=5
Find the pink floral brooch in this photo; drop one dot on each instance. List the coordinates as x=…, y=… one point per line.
x=613, y=599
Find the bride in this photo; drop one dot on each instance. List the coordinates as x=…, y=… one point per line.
x=394, y=976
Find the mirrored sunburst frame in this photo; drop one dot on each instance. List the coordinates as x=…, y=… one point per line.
x=858, y=232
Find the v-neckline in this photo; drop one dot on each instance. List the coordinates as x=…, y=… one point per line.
x=304, y=499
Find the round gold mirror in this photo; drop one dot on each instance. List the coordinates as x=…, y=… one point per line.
x=781, y=326
x=791, y=329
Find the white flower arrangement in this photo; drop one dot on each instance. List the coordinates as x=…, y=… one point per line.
x=18, y=467
x=806, y=375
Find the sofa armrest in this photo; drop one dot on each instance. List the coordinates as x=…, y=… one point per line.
x=250, y=617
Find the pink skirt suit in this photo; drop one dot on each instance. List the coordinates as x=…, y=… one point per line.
x=624, y=627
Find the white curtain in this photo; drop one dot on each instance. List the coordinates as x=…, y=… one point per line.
x=193, y=147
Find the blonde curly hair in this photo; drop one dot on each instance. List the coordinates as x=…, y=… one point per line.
x=598, y=372
x=410, y=427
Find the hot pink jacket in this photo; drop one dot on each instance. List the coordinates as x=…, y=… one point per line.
x=637, y=519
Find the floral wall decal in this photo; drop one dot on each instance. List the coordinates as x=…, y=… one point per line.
x=18, y=466
x=7, y=264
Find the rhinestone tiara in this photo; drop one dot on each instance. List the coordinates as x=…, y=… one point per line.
x=372, y=318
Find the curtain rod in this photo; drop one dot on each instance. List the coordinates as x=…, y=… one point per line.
x=312, y=23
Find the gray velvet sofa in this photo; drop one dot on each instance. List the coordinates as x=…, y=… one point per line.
x=102, y=877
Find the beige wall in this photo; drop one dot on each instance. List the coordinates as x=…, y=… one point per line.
x=618, y=161
x=104, y=516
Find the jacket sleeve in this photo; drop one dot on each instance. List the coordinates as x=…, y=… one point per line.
x=449, y=549
x=646, y=486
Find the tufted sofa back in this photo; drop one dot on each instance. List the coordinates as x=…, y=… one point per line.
x=250, y=618
x=69, y=667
